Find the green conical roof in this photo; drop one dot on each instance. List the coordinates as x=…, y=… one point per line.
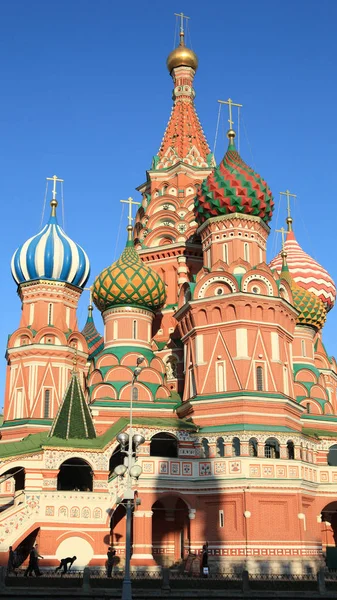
x=73, y=420
x=94, y=339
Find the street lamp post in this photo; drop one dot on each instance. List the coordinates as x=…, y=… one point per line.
x=131, y=470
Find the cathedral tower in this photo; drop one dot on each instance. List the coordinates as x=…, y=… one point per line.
x=51, y=271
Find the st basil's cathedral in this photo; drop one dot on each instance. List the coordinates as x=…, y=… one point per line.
x=235, y=397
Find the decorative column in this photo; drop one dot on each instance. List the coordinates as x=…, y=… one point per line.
x=142, y=539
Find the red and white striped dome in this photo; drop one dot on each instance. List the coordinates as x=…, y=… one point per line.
x=306, y=271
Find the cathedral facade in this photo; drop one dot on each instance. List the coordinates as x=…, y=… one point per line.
x=236, y=395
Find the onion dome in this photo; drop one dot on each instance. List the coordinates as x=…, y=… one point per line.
x=306, y=271
x=93, y=338
x=233, y=187
x=52, y=255
x=129, y=281
x=182, y=56
x=312, y=310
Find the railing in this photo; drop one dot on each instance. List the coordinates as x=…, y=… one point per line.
x=166, y=580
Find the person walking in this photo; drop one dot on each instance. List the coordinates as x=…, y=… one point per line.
x=204, y=561
x=64, y=562
x=33, y=564
x=110, y=554
x=11, y=564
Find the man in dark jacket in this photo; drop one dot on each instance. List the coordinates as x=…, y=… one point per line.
x=110, y=554
x=33, y=564
x=11, y=564
x=64, y=562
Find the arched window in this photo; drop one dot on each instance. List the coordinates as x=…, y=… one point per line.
x=225, y=253
x=204, y=448
x=134, y=394
x=115, y=330
x=332, y=456
x=134, y=330
x=246, y=251
x=75, y=474
x=308, y=408
x=236, y=447
x=272, y=448
x=164, y=444
x=46, y=406
x=220, y=447
x=290, y=450
x=253, y=447
x=259, y=379
x=116, y=458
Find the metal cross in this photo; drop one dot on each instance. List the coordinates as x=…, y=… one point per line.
x=230, y=104
x=182, y=17
x=288, y=195
x=282, y=231
x=54, y=179
x=130, y=202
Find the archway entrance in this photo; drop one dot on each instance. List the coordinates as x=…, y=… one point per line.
x=75, y=474
x=170, y=530
x=329, y=534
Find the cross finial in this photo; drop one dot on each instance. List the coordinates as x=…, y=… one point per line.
x=288, y=196
x=131, y=203
x=230, y=106
x=54, y=179
x=182, y=17
x=53, y=203
x=282, y=231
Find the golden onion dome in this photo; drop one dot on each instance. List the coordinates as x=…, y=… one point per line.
x=182, y=56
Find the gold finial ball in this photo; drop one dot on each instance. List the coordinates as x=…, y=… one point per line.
x=231, y=133
x=182, y=57
x=53, y=203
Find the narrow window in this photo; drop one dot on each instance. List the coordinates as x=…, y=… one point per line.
x=220, y=376
x=135, y=394
x=50, y=314
x=246, y=251
x=253, y=447
x=208, y=259
x=290, y=450
x=308, y=408
x=31, y=313
x=236, y=447
x=304, y=350
x=225, y=253
x=68, y=316
x=46, y=410
x=115, y=330
x=193, y=389
x=19, y=404
x=221, y=518
x=259, y=379
x=285, y=381
x=134, y=330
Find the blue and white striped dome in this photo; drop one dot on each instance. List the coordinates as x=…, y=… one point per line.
x=51, y=254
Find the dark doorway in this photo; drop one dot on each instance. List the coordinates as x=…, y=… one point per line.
x=164, y=444
x=170, y=531
x=75, y=474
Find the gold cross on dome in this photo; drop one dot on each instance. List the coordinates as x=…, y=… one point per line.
x=54, y=179
x=282, y=231
x=288, y=196
x=230, y=105
x=182, y=17
x=131, y=203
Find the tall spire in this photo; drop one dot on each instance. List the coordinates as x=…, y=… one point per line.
x=289, y=220
x=184, y=140
x=73, y=420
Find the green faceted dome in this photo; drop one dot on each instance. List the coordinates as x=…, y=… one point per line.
x=129, y=281
x=233, y=187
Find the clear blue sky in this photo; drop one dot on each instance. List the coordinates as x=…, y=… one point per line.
x=85, y=94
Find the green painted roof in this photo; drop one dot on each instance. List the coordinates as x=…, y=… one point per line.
x=246, y=427
x=37, y=441
x=74, y=418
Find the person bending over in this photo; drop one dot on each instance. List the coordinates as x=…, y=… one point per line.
x=64, y=562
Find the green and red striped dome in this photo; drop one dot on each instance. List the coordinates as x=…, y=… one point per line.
x=233, y=187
